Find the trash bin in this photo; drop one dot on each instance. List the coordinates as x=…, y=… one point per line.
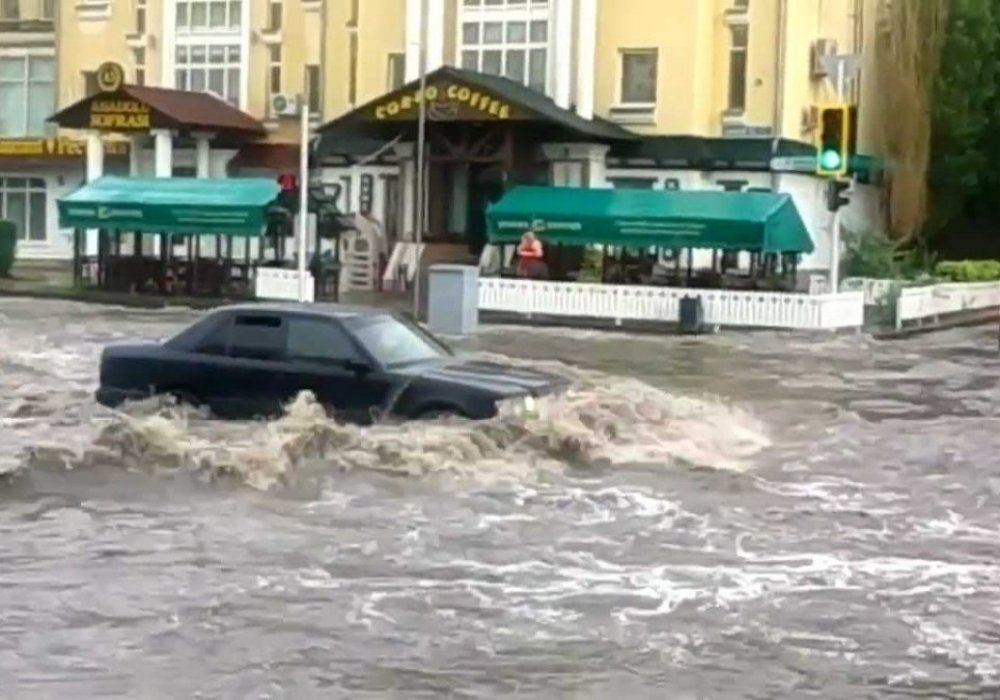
x=8, y=246
x=692, y=314
x=453, y=299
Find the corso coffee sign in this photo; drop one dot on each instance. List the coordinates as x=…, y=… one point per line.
x=119, y=115
x=444, y=102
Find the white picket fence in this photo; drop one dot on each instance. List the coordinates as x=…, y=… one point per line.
x=933, y=302
x=281, y=284
x=620, y=303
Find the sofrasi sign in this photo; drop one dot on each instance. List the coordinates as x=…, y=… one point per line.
x=445, y=102
x=119, y=115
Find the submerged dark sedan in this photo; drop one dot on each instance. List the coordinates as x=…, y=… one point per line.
x=251, y=360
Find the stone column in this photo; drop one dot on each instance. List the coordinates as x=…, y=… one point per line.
x=95, y=169
x=202, y=154
x=407, y=184
x=586, y=63
x=135, y=155
x=163, y=143
x=561, y=52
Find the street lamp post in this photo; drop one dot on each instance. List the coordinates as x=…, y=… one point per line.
x=420, y=198
x=303, y=191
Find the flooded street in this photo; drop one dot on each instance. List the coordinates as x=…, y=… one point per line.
x=755, y=515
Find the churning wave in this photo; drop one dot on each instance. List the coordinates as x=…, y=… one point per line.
x=601, y=421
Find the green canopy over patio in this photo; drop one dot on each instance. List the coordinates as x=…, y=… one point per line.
x=234, y=207
x=754, y=221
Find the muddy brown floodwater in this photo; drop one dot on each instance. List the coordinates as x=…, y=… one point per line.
x=740, y=516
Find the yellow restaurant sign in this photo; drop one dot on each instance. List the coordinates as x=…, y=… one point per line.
x=467, y=103
x=119, y=115
x=58, y=147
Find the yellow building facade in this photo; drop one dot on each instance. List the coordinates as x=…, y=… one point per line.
x=703, y=69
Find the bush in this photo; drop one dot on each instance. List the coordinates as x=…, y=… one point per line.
x=874, y=256
x=968, y=270
x=8, y=246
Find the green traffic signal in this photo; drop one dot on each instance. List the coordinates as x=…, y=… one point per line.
x=830, y=160
x=833, y=139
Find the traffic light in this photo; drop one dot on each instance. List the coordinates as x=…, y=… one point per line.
x=289, y=195
x=833, y=141
x=837, y=194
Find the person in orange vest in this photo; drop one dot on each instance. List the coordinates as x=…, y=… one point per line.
x=530, y=257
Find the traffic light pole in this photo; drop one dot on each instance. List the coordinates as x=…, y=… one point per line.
x=303, y=193
x=835, y=234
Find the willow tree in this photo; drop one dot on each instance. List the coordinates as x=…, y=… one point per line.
x=907, y=58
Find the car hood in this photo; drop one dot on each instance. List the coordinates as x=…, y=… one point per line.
x=502, y=379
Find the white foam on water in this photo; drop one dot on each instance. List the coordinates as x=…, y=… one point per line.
x=600, y=421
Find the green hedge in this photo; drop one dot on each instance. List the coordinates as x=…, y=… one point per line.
x=968, y=270
x=8, y=246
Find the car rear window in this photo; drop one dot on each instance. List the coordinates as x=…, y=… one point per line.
x=257, y=337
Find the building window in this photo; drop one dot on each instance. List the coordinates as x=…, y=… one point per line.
x=139, y=55
x=274, y=70
x=638, y=86
x=396, y=71
x=738, y=68
x=632, y=183
x=27, y=94
x=48, y=9
x=23, y=201
x=10, y=9
x=209, y=68
x=313, y=94
x=508, y=38
x=90, y=86
x=274, y=15
x=208, y=15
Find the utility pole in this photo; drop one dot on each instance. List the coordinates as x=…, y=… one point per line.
x=420, y=198
x=303, y=185
x=835, y=234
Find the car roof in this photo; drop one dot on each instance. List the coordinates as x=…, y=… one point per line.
x=340, y=311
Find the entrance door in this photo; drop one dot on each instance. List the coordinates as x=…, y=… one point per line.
x=485, y=187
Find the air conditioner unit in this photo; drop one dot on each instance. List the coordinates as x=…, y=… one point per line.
x=821, y=48
x=284, y=105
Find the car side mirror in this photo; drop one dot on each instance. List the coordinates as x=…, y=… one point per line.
x=358, y=367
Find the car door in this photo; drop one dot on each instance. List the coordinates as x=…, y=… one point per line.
x=237, y=364
x=322, y=357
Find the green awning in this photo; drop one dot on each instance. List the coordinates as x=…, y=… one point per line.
x=755, y=221
x=235, y=207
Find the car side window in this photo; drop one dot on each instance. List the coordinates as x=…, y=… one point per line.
x=319, y=340
x=257, y=337
x=216, y=341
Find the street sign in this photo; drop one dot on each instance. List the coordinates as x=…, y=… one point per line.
x=794, y=164
x=850, y=61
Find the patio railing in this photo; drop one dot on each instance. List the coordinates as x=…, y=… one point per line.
x=620, y=303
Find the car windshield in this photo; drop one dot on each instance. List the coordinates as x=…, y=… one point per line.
x=395, y=343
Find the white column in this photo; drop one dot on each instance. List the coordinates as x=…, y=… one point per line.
x=95, y=169
x=135, y=156
x=586, y=62
x=95, y=155
x=413, y=9
x=561, y=52
x=163, y=143
x=407, y=186
x=202, y=154
x=435, y=34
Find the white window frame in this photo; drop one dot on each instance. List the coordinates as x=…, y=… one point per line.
x=622, y=54
x=734, y=23
x=189, y=43
x=26, y=55
x=232, y=24
x=29, y=189
x=506, y=12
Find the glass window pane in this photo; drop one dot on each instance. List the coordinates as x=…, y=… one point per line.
x=739, y=35
x=217, y=14
x=199, y=15
x=197, y=54
x=12, y=69
x=16, y=210
x=539, y=31
x=737, y=80
x=257, y=337
x=315, y=339
x=42, y=68
x=12, y=112
x=216, y=54
x=537, y=66
x=470, y=60
x=182, y=15
x=181, y=54
x=515, y=65
x=470, y=33
x=41, y=105
x=35, y=183
x=233, y=54
x=493, y=32
x=235, y=14
x=36, y=216
x=197, y=78
x=639, y=77
x=492, y=62
x=181, y=79
x=233, y=87
x=217, y=81
x=517, y=32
